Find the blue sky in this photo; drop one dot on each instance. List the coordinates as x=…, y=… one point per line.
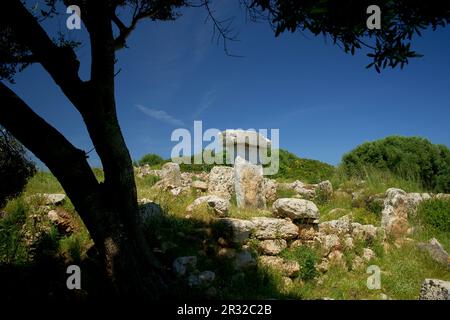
x=323, y=101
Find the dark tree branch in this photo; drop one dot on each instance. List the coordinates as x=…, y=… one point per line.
x=60, y=62
x=223, y=31
x=49, y=145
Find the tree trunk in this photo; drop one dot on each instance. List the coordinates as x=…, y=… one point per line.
x=113, y=223
x=109, y=210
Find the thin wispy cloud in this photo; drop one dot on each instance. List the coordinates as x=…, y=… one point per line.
x=206, y=102
x=161, y=115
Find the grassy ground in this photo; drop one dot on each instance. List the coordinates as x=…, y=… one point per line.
x=402, y=269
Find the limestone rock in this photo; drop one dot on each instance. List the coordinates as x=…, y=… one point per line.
x=221, y=182
x=325, y=188
x=200, y=185
x=270, y=190
x=244, y=259
x=170, y=175
x=323, y=266
x=435, y=289
x=272, y=247
x=336, y=258
x=249, y=184
x=443, y=196
x=340, y=226
x=202, y=279
x=228, y=253
x=287, y=268
x=348, y=242
x=329, y=242
x=306, y=191
x=62, y=219
x=296, y=209
x=357, y=263
x=307, y=231
x=220, y=206
x=394, y=217
x=183, y=265
x=149, y=209
x=368, y=254
x=366, y=232
x=236, y=231
x=436, y=251
x=52, y=198
x=273, y=228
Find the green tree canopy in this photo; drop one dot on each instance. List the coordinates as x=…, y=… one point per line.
x=408, y=157
x=151, y=159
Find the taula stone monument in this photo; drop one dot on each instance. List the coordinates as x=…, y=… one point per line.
x=246, y=149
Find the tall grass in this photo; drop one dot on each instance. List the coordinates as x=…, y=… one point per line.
x=375, y=180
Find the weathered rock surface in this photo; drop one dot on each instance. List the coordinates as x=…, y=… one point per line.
x=183, y=265
x=394, y=217
x=244, y=259
x=170, y=175
x=398, y=205
x=236, y=231
x=436, y=251
x=249, y=184
x=366, y=232
x=336, y=258
x=358, y=263
x=340, y=226
x=296, y=209
x=435, y=289
x=328, y=243
x=270, y=190
x=221, y=182
x=219, y=205
x=306, y=191
x=286, y=267
x=149, y=209
x=368, y=254
x=273, y=228
x=202, y=279
x=200, y=185
x=52, y=198
x=272, y=247
x=325, y=188
x=62, y=219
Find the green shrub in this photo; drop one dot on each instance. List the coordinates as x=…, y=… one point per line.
x=294, y=168
x=11, y=248
x=15, y=168
x=151, y=159
x=435, y=213
x=411, y=158
x=307, y=258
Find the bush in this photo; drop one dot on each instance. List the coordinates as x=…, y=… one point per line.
x=307, y=258
x=11, y=248
x=435, y=213
x=151, y=159
x=410, y=158
x=306, y=170
x=15, y=168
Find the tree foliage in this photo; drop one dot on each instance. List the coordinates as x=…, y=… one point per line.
x=408, y=157
x=344, y=21
x=294, y=168
x=151, y=159
x=15, y=168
